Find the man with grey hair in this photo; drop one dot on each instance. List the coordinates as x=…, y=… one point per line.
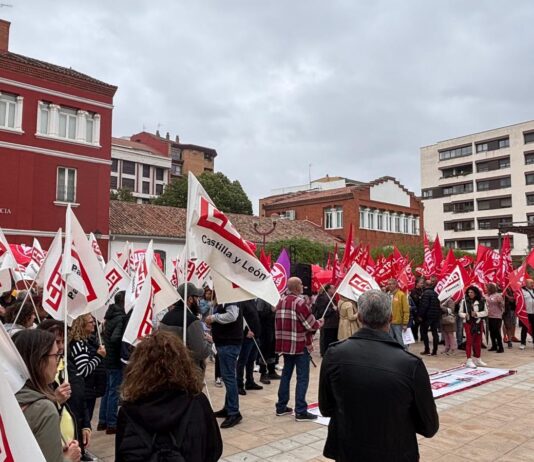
x=377, y=394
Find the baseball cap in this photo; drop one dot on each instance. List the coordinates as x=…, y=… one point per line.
x=192, y=290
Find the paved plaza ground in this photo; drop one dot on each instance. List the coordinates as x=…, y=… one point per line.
x=492, y=422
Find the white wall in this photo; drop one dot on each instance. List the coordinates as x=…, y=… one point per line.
x=389, y=192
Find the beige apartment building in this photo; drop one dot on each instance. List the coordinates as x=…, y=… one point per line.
x=475, y=185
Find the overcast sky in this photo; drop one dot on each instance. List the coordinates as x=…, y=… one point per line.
x=353, y=88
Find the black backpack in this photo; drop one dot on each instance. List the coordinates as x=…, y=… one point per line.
x=164, y=447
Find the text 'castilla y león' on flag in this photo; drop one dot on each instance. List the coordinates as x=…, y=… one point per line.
x=212, y=238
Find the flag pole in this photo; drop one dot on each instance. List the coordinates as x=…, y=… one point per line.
x=65, y=331
x=20, y=309
x=186, y=261
x=98, y=331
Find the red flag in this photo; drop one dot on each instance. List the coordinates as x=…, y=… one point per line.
x=530, y=259
x=336, y=269
x=349, y=249
x=437, y=253
x=329, y=262
x=517, y=277
x=264, y=260
x=429, y=264
x=520, y=309
x=405, y=278
x=505, y=263
x=448, y=264
x=370, y=267
x=383, y=269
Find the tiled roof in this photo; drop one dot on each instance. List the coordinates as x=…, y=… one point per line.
x=131, y=219
x=52, y=72
x=136, y=145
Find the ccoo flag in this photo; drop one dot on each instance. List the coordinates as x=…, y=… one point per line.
x=212, y=238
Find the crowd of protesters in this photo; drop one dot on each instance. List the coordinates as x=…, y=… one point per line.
x=153, y=392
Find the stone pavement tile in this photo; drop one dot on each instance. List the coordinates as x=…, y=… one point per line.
x=475, y=428
x=495, y=444
x=319, y=444
x=442, y=443
x=265, y=451
x=286, y=444
x=472, y=453
x=284, y=458
x=306, y=438
x=522, y=453
x=321, y=432
x=457, y=434
x=242, y=457
x=428, y=453
x=246, y=441
x=228, y=449
x=306, y=453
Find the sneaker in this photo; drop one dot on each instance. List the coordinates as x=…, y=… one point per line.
x=286, y=411
x=264, y=378
x=522, y=347
x=232, y=420
x=253, y=386
x=218, y=382
x=306, y=416
x=479, y=362
x=278, y=367
x=470, y=363
x=510, y=345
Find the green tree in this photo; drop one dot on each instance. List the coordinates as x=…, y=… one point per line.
x=227, y=195
x=124, y=195
x=306, y=251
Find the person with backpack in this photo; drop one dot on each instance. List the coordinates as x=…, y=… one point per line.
x=165, y=417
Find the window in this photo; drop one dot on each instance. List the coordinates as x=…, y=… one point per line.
x=128, y=167
x=128, y=183
x=146, y=171
x=494, y=183
x=333, y=218
x=397, y=224
x=427, y=193
x=530, y=199
x=405, y=225
x=66, y=184
x=113, y=182
x=458, y=189
x=176, y=169
x=504, y=143
x=493, y=145
x=67, y=123
x=159, y=174
x=466, y=225
x=114, y=165
x=363, y=221
x=146, y=187
x=387, y=222
x=8, y=109
x=494, y=203
x=379, y=221
x=494, y=164
x=482, y=147
x=459, y=207
x=456, y=152
x=159, y=189
x=529, y=137
x=494, y=222
x=529, y=158
x=529, y=177
x=461, y=170
x=371, y=221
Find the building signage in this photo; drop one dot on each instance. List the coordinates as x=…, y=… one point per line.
x=5, y=211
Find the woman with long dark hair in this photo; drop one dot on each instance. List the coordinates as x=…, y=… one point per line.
x=472, y=310
x=39, y=351
x=164, y=409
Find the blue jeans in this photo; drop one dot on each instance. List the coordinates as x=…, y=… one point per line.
x=228, y=355
x=110, y=401
x=302, y=363
x=395, y=330
x=245, y=363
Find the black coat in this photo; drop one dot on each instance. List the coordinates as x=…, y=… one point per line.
x=162, y=412
x=429, y=306
x=252, y=317
x=378, y=397
x=331, y=318
x=113, y=331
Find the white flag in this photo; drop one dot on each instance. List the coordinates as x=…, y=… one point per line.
x=96, y=250
x=11, y=363
x=38, y=256
x=213, y=239
x=136, y=284
x=227, y=292
x=85, y=271
x=53, y=282
x=117, y=280
x=453, y=284
x=356, y=282
x=123, y=257
x=17, y=442
x=8, y=264
x=164, y=293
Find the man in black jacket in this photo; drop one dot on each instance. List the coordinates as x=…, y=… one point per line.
x=115, y=324
x=249, y=351
x=377, y=395
x=429, y=315
x=324, y=306
x=196, y=339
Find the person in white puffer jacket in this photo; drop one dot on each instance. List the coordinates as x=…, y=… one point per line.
x=472, y=310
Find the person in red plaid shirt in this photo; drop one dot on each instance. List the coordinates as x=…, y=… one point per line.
x=295, y=326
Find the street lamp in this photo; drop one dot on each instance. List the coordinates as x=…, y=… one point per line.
x=264, y=233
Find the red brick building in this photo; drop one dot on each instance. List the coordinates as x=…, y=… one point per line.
x=55, y=147
x=184, y=157
x=382, y=212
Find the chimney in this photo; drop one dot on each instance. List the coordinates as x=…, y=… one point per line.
x=177, y=139
x=4, y=35
x=167, y=136
x=157, y=134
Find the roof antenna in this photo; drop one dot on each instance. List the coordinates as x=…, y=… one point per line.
x=8, y=5
x=309, y=174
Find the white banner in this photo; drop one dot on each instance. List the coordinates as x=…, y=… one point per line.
x=452, y=285
x=11, y=363
x=212, y=238
x=356, y=282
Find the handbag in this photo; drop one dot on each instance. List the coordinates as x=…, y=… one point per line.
x=448, y=319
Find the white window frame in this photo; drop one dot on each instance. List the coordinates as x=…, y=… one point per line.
x=78, y=117
x=379, y=221
x=363, y=219
x=333, y=218
x=64, y=199
x=16, y=102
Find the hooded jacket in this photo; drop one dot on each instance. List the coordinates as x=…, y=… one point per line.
x=43, y=418
x=378, y=397
x=162, y=413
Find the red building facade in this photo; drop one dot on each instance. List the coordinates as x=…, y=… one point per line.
x=55, y=147
x=382, y=212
